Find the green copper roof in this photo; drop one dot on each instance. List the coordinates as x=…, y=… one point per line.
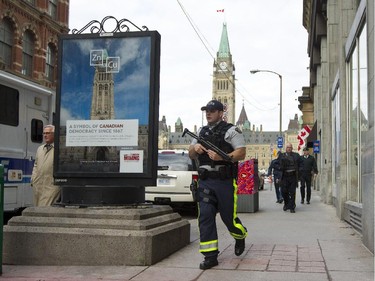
x=224, y=51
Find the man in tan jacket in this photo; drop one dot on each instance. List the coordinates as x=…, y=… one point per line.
x=45, y=192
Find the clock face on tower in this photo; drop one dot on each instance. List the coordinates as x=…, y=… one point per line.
x=223, y=66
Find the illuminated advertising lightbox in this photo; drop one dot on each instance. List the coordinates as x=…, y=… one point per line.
x=107, y=109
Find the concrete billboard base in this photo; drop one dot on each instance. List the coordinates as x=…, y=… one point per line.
x=140, y=235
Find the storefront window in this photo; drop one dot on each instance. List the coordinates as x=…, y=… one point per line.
x=336, y=140
x=363, y=100
x=353, y=153
x=358, y=114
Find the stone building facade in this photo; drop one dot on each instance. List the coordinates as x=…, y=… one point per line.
x=30, y=42
x=339, y=102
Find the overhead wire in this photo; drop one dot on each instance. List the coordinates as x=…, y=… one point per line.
x=206, y=45
x=196, y=30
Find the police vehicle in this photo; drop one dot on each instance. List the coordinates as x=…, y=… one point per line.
x=25, y=107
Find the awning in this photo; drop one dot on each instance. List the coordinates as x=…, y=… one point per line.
x=313, y=134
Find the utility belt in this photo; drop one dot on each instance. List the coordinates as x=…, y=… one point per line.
x=289, y=173
x=222, y=173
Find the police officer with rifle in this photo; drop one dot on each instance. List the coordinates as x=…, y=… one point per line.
x=218, y=147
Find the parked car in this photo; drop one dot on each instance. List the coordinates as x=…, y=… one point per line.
x=268, y=179
x=177, y=179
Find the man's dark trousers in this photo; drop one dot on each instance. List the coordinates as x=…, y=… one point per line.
x=278, y=191
x=306, y=182
x=288, y=189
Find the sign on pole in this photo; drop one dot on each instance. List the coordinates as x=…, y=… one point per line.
x=316, y=146
x=280, y=142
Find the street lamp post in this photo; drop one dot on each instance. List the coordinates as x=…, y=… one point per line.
x=281, y=93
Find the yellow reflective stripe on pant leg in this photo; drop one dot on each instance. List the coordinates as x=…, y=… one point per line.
x=237, y=225
x=209, y=246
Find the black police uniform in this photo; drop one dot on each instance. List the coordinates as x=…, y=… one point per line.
x=275, y=168
x=217, y=192
x=309, y=166
x=291, y=165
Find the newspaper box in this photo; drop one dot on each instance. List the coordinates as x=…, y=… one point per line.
x=248, y=185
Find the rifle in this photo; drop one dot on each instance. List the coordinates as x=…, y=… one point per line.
x=208, y=145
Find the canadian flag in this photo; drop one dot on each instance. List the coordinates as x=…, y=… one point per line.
x=301, y=143
x=305, y=132
x=302, y=136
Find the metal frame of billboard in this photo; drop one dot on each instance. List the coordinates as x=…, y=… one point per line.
x=83, y=156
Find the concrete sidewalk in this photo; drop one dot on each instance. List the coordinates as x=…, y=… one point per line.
x=311, y=245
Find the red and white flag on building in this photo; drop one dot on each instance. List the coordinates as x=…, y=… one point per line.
x=220, y=11
x=305, y=132
x=302, y=136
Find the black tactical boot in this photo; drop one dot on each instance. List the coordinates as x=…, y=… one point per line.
x=239, y=247
x=208, y=263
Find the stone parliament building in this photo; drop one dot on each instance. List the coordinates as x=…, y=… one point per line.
x=260, y=144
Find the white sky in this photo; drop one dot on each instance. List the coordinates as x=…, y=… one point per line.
x=263, y=34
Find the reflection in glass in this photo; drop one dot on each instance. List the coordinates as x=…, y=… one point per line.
x=336, y=140
x=363, y=99
x=353, y=192
x=359, y=113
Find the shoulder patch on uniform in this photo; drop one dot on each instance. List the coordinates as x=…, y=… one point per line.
x=238, y=130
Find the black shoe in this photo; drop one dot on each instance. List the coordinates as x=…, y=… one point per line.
x=308, y=202
x=208, y=263
x=302, y=201
x=281, y=201
x=285, y=207
x=292, y=211
x=239, y=247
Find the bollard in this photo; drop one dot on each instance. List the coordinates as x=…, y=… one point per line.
x=1, y=215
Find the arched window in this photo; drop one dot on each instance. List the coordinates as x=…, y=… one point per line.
x=50, y=62
x=6, y=42
x=27, y=53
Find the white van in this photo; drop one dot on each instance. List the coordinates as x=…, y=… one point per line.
x=177, y=179
x=25, y=108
